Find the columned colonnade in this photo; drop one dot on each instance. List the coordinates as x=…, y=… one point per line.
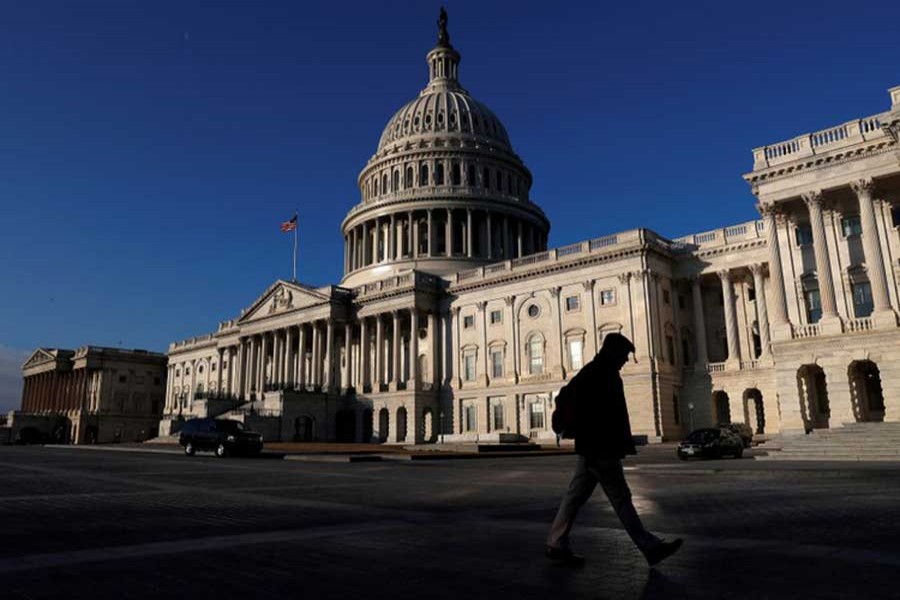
x=54, y=391
x=441, y=232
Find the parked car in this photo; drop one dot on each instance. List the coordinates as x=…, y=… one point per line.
x=222, y=436
x=742, y=430
x=711, y=443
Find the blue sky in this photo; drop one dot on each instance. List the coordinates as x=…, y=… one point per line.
x=149, y=150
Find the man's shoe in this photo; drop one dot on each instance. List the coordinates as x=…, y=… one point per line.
x=662, y=551
x=565, y=556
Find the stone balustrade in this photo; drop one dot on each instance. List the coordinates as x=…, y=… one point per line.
x=724, y=236
x=860, y=324
x=810, y=330
x=818, y=142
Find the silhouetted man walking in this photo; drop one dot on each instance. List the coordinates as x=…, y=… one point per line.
x=602, y=440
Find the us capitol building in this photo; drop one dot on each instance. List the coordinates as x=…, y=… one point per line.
x=455, y=321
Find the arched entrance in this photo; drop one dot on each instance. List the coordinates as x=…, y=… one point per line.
x=401, y=424
x=345, y=426
x=384, y=418
x=428, y=425
x=754, y=410
x=814, y=406
x=367, y=426
x=865, y=391
x=304, y=428
x=723, y=410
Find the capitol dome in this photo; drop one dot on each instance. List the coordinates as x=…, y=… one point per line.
x=444, y=191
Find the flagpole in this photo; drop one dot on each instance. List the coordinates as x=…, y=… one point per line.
x=296, y=225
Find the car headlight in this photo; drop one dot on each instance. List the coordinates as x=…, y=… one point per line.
x=260, y=437
x=230, y=438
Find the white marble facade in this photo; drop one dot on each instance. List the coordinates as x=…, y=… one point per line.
x=454, y=321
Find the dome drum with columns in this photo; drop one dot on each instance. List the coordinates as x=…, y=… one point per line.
x=444, y=191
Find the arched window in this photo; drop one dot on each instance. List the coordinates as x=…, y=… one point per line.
x=497, y=180
x=486, y=178
x=384, y=183
x=455, y=174
x=535, y=348
x=439, y=174
x=395, y=180
x=408, y=183
x=376, y=186
x=423, y=175
x=470, y=176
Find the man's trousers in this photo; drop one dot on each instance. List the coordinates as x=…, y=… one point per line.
x=608, y=473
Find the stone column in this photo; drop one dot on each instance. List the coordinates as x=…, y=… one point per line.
x=484, y=377
x=433, y=354
x=364, y=246
x=302, y=375
x=219, y=375
x=488, y=234
x=363, y=355
x=348, y=348
x=780, y=325
x=469, y=236
x=391, y=251
x=589, y=304
x=352, y=254
x=315, y=362
x=395, y=354
x=413, y=349
x=430, y=234
x=762, y=313
x=252, y=364
x=456, y=358
x=513, y=352
x=830, y=322
x=731, y=326
x=376, y=242
x=448, y=233
x=330, y=355
x=520, y=242
x=561, y=370
x=378, y=379
x=413, y=236
x=883, y=316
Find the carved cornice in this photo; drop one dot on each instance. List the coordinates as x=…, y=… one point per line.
x=875, y=148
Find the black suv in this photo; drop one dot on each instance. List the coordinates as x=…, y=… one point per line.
x=222, y=436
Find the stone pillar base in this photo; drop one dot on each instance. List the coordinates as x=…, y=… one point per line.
x=831, y=326
x=884, y=319
x=781, y=332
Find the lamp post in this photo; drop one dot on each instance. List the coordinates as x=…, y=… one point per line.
x=691, y=413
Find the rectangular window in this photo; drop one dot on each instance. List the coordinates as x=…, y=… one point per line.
x=851, y=225
x=676, y=410
x=862, y=299
x=123, y=378
x=572, y=304
x=681, y=302
x=536, y=415
x=804, y=235
x=685, y=350
x=607, y=297
x=468, y=322
x=666, y=297
x=813, y=306
x=470, y=367
x=496, y=317
x=497, y=415
x=497, y=363
x=576, y=354
x=471, y=416
x=536, y=355
x=895, y=216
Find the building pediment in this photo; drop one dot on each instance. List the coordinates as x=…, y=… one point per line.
x=39, y=357
x=283, y=296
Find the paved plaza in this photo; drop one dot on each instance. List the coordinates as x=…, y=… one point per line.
x=105, y=524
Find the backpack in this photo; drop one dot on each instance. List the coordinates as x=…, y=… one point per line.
x=563, y=418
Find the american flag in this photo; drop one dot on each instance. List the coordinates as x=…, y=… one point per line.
x=289, y=225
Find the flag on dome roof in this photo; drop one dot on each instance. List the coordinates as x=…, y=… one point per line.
x=289, y=225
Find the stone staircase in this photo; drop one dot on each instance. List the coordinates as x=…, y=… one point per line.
x=852, y=442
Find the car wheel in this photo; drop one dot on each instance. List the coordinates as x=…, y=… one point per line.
x=189, y=449
x=221, y=450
